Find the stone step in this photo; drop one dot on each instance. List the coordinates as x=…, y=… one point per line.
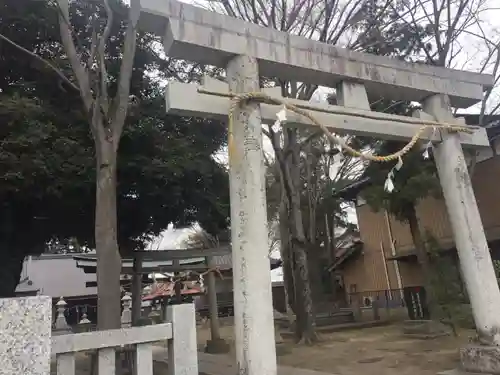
x=222, y=365
x=459, y=372
x=322, y=319
x=340, y=317
x=342, y=327
x=212, y=364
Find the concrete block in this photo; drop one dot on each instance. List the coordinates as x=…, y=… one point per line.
x=459, y=372
x=425, y=328
x=481, y=359
x=25, y=335
x=182, y=349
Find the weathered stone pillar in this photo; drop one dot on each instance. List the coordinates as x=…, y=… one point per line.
x=253, y=312
x=471, y=243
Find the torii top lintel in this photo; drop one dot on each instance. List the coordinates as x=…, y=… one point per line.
x=195, y=34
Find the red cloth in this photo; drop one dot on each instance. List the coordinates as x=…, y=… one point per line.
x=159, y=290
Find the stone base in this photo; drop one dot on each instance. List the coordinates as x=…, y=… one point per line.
x=481, y=359
x=459, y=372
x=424, y=329
x=219, y=346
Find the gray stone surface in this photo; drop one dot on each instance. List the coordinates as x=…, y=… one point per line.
x=25, y=335
x=425, y=329
x=195, y=34
x=182, y=350
x=222, y=365
x=186, y=100
x=253, y=313
x=481, y=359
x=211, y=364
x=472, y=246
x=459, y=372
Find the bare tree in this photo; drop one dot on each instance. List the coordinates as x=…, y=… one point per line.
x=442, y=25
x=330, y=22
x=106, y=101
x=106, y=119
x=200, y=239
x=491, y=64
x=458, y=34
x=435, y=27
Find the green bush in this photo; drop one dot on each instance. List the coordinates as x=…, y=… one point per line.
x=447, y=289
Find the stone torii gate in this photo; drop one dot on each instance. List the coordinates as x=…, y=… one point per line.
x=246, y=51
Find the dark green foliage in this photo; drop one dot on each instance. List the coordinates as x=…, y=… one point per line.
x=447, y=286
x=496, y=266
x=166, y=172
x=387, y=34
x=416, y=180
x=384, y=32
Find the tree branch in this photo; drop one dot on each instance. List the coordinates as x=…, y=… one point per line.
x=122, y=95
x=42, y=60
x=104, y=99
x=69, y=46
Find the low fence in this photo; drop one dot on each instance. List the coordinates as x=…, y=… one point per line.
x=76, y=317
x=27, y=340
x=389, y=299
x=413, y=299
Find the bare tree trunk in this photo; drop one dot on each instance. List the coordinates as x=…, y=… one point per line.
x=330, y=239
x=107, y=119
x=423, y=260
x=108, y=255
x=305, y=312
x=315, y=272
x=137, y=291
x=288, y=279
x=10, y=272
x=306, y=325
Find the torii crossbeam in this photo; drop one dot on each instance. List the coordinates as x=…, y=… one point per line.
x=248, y=51
x=195, y=34
x=210, y=100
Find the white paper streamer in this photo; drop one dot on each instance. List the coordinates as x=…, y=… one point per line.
x=389, y=183
x=428, y=146
x=281, y=115
x=399, y=164
x=276, y=126
x=337, y=158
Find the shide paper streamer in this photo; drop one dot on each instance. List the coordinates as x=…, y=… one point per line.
x=389, y=184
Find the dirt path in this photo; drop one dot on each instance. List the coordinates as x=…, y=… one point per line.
x=368, y=351
x=371, y=351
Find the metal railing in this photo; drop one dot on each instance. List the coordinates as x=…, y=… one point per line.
x=388, y=299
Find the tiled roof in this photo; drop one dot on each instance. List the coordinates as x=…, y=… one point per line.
x=346, y=253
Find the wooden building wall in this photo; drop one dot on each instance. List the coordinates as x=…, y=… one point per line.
x=368, y=273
